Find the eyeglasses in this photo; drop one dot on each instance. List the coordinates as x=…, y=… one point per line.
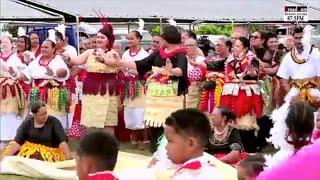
x=254, y=37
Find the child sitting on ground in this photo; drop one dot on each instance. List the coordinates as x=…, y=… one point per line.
x=251, y=167
x=188, y=131
x=97, y=156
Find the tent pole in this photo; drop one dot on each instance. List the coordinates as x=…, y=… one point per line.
x=160, y=25
x=78, y=33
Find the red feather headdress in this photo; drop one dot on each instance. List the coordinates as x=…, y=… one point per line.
x=106, y=26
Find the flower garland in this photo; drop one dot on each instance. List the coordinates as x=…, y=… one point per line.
x=56, y=97
x=218, y=91
x=22, y=98
x=202, y=104
x=41, y=152
x=304, y=87
x=297, y=58
x=160, y=78
x=134, y=88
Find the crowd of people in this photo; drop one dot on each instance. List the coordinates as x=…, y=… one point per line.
x=179, y=99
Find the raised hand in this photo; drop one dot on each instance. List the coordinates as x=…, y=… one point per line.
x=115, y=56
x=168, y=65
x=192, y=61
x=99, y=53
x=65, y=57
x=12, y=72
x=49, y=71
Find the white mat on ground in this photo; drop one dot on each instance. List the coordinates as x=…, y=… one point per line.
x=127, y=163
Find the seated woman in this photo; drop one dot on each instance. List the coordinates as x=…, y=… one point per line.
x=40, y=136
x=225, y=141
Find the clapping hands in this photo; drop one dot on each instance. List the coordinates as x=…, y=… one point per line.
x=49, y=71
x=99, y=54
x=12, y=72
x=168, y=66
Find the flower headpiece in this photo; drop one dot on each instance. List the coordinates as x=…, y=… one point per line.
x=52, y=35
x=107, y=26
x=62, y=29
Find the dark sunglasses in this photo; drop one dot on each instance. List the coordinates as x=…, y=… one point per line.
x=254, y=37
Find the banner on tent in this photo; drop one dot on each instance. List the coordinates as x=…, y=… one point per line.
x=296, y=13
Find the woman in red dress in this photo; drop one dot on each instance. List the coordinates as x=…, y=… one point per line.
x=241, y=93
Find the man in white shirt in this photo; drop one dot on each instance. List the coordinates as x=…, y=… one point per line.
x=301, y=67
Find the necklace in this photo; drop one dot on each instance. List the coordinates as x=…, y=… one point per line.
x=5, y=58
x=221, y=132
x=297, y=58
x=132, y=54
x=42, y=63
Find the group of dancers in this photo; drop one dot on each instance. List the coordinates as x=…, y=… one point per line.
x=242, y=84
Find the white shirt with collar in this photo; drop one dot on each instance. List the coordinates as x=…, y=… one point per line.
x=200, y=168
x=291, y=70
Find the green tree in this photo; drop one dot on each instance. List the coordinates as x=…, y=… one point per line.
x=155, y=31
x=12, y=30
x=214, y=29
x=255, y=27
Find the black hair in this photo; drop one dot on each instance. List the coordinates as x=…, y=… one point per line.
x=227, y=42
x=191, y=122
x=27, y=42
x=205, y=45
x=35, y=106
x=229, y=45
x=254, y=165
x=263, y=35
x=59, y=35
x=109, y=35
x=171, y=35
x=53, y=44
x=298, y=29
x=281, y=47
x=225, y=112
x=271, y=35
x=137, y=34
x=191, y=34
x=33, y=32
x=245, y=42
x=300, y=122
x=102, y=147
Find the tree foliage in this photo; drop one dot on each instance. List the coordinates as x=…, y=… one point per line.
x=255, y=27
x=214, y=29
x=155, y=31
x=12, y=30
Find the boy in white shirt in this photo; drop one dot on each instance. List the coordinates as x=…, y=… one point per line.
x=188, y=131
